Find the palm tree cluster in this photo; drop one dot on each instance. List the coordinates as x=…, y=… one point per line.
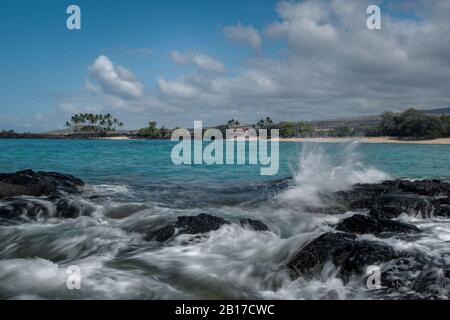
x=93, y=123
x=264, y=123
x=233, y=123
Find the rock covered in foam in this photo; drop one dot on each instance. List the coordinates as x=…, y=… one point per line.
x=32, y=209
x=28, y=195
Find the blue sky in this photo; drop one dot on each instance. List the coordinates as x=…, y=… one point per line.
x=45, y=66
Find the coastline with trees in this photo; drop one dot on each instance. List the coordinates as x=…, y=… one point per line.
x=410, y=126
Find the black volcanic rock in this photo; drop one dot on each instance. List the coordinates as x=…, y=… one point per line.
x=363, y=196
x=362, y=224
x=30, y=183
x=415, y=277
x=348, y=254
x=425, y=187
x=389, y=199
x=188, y=225
x=197, y=225
x=434, y=281
x=395, y=204
x=23, y=209
x=443, y=210
x=31, y=209
x=163, y=234
x=72, y=208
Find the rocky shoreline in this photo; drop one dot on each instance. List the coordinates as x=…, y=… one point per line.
x=375, y=207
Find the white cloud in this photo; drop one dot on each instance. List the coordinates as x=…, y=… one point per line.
x=200, y=60
x=92, y=87
x=115, y=80
x=176, y=89
x=244, y=34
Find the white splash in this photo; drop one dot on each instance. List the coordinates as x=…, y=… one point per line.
x=320, y=171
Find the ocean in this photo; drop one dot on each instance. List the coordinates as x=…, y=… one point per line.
x=132, y=188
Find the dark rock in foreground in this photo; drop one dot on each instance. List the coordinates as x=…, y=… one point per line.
x=395, y=204
x=349, y=255
x=197, y=225
x=389, y=199
x=188, y=225
x=29, y=209
x=23, y=209
x=362, y=224
x=30, y=183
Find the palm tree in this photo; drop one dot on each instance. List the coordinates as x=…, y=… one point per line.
x=89, y=122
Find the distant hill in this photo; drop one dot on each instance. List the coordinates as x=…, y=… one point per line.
x=438, y=111
x=369, y=121
x=346, y=122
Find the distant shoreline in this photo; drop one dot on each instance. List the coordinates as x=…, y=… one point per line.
x=390, y=140
x=379, y=140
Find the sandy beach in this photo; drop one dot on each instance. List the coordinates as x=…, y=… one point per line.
x=369, y=140
x=116, y=138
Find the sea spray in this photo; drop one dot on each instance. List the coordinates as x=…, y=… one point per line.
x=324, y=169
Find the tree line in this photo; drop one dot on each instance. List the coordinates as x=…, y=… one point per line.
x=408, y=124
x=93, y=123
x=414, y=124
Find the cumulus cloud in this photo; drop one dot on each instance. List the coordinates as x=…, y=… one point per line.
x=200, y=60
x=115, y=80
x=177, y=89
x=244, y=34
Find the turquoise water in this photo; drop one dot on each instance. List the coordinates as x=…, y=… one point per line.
x=134, y=189
x=105, y=161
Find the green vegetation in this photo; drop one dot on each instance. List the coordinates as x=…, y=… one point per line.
x=229, y=125
x=264, y=124
x=153, y=132
x=93, y=123
x=415, y=124
x=233, y=123
x=295, y=129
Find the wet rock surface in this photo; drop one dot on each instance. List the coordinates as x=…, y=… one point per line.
x=363, y=224
x=349, y=255
x=30, y=183
x=391, y=198
x=198, y=225
x=28, y=195
x=33, y=209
